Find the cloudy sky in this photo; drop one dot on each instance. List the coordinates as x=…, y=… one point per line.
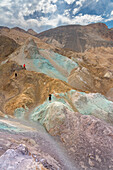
x=41, y=15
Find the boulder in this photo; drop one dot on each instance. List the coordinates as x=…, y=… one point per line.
x=52, y=116
x=20, y=159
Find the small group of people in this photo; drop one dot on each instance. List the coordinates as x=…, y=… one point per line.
x=24, y=67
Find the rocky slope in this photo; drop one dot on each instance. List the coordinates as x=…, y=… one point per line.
x=88, y=140
x=28, y=89
x=7, y=46
x=43, y=60
x=20, y=36
x=95, y=71
x=79, y=38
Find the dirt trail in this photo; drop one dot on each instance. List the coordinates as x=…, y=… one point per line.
x=2, y=100
x=19, y=90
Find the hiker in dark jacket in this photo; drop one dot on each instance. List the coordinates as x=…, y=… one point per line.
x=15, y=75
x=49, y=97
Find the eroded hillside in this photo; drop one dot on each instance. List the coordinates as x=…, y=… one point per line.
x=74, y=129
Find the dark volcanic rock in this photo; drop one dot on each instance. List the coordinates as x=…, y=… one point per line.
x=79, y=38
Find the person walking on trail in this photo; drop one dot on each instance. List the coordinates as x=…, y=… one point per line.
x=15, y=75
x=49, y=97
x=24, y=66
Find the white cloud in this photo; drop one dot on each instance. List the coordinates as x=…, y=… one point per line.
x=111, y=12
x=80, y=2
x=76, y=10
x=81, y=19
x=86, y=19
x=66, y=13
x=13, y=12
x=54, y=1
x=69, y=1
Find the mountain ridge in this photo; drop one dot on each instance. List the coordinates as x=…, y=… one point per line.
x=79, y=38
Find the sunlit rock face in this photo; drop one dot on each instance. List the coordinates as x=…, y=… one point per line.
x=95, y=71
x=94, y=104
x=51, y=115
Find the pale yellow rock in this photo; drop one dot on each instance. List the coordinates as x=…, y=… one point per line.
x=108, y=75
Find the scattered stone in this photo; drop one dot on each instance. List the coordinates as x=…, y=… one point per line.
x=91, y=162
x=98, y=158
x=108, y=75
x=45, y=164
x=19, y=159
x=23, y=149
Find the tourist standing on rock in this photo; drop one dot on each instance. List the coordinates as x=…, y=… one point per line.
x=49, y=97
x=15, y=75
x=24, y=66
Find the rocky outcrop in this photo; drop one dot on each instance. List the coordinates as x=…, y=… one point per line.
x=93, y=104
x=19, y=158
x=87, y=139
x=95, y=71
x=51, y=115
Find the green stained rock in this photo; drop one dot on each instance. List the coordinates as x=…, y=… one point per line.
x=52, y=116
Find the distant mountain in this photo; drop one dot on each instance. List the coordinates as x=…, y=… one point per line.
x=32, y=32
x=19, y=29
x=20, y=36
x=79, y=38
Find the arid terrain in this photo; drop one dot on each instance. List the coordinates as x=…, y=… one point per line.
x=73, y=130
